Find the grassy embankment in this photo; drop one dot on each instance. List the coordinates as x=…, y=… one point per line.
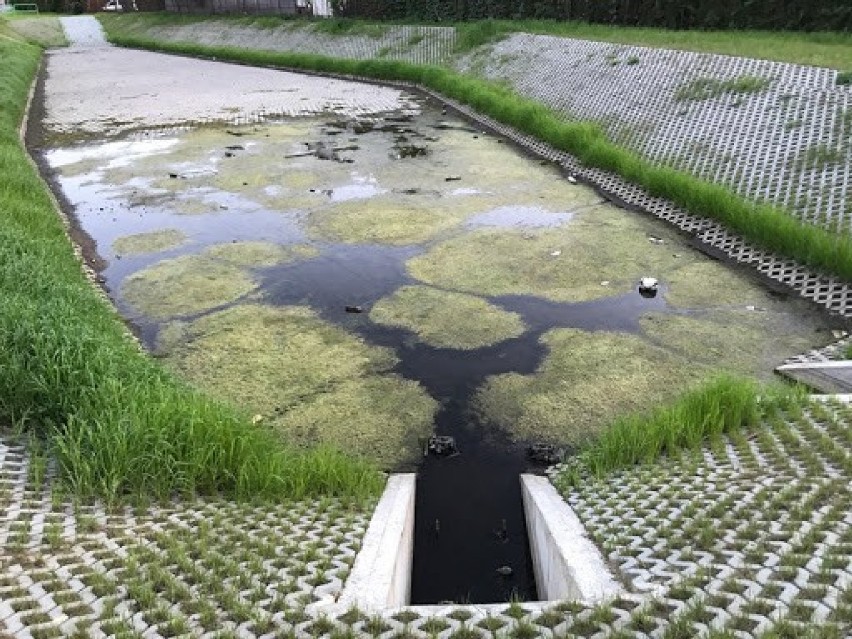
x=821, y=49
x=117, y=423
x=826, y=49
x=42, y=29
x=768, y=227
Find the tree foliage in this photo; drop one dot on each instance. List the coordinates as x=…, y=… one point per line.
x=811, y=15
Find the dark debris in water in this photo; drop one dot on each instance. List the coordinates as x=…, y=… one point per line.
x=545, y=454
x=411, y=151
x=442, y=446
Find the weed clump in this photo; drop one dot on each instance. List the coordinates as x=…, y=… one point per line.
x=257, y=254
x=585, y=382
x=186, y=285
x=308, y=380
x=724, y=404
x=736, y=340
x=566, y=264
x=445, y=319
x=154, y=242
x=706, y=88
x=383, y=221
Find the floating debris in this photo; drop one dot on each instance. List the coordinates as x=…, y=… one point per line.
x=545, y=454
x=505, y=571
x=556, y=253
x=452, y=178
x=442, y=446
x=354, y=309
x=656, y=240
x=502, y=533
x=648, y=286
x=411, y=151
x=572, y=179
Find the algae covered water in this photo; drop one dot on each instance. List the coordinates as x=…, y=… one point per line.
x=366, y=282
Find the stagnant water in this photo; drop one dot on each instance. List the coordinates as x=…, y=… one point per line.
x=469, y=519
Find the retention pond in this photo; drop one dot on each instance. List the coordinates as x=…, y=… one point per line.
x=368, y=281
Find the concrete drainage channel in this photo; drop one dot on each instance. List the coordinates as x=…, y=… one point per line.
x=567, y=565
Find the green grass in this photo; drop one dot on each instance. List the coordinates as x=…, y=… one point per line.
x=844, y=78
x=768, y=227
x=116, y=421
x=42, y=29
x=706, y=88
x=724, y=405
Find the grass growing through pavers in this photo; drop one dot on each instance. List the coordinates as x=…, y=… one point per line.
x=117, y=422
x=727, y=404
x=733, y=524
x=252, y=569
x=706, y=88
x=189, y=566
x=766, y=226
x=823, y=49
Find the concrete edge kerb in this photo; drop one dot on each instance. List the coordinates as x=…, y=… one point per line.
x=381, y=574
x=567, y=564
x=815, y=365
x=843, y=398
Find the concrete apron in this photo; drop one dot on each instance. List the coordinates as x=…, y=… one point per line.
x=568, y=566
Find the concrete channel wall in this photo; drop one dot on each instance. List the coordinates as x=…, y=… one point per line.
x=381, y=575
x=567, y=564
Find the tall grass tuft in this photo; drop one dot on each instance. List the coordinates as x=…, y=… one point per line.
x=720, y=406
x=117, y=423
x=769, y=228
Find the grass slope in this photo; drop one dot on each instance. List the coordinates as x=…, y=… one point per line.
x=117, y=421
x=765, y=226
x=822, y=49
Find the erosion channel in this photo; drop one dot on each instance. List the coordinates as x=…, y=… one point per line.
x=366, y=280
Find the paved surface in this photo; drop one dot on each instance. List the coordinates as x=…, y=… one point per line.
x=83, y=31
x=89, y=89
x=825, y=377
